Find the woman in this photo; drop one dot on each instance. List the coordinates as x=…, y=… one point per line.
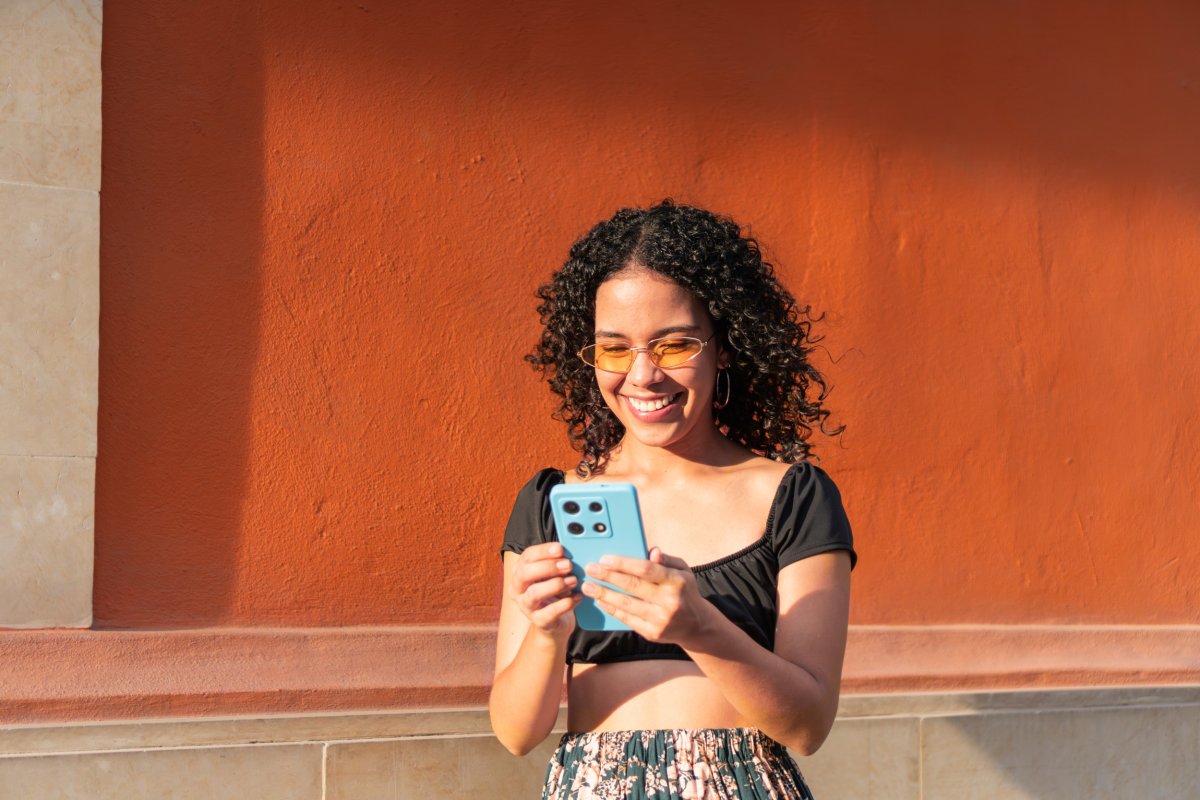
x=682, y=368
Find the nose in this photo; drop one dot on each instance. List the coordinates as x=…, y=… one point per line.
x=643, y=371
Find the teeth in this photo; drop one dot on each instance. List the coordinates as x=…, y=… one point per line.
x=650, y=405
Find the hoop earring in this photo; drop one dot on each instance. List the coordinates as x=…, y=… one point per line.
x=719, y=404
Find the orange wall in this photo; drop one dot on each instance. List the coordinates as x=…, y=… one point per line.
x=322, y=224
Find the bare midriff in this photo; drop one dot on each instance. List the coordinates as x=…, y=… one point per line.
x=649, y=695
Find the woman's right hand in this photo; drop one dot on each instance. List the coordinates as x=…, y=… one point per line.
x=545, y=590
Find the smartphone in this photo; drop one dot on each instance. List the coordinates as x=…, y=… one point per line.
x=594, y=520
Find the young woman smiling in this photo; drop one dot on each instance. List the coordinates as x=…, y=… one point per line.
x=682, y=367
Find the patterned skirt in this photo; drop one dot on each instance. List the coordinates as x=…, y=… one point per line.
x=708, y=764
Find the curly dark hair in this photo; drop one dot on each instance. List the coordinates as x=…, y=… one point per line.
x=773, y=406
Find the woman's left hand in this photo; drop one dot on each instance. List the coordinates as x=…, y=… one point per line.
x=663, y=605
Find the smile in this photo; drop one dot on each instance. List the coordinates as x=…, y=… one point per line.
x=647, y=406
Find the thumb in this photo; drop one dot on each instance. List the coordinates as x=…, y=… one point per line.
x=657, y=556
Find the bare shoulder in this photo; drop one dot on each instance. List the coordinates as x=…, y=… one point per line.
x=747, y=490
x=761, y=476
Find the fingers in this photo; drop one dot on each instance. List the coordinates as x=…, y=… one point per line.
x=542, y=584
x=671, y=562
x=543, y=550
x=540, y=563
x=659, y=557
x=632, y=584
x=549, y=614
x=544, y=592
x=618, y=604
x=641, y=617
x=637, y=567
x=640, y=576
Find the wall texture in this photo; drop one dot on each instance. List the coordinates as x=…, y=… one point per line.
x=322, y=224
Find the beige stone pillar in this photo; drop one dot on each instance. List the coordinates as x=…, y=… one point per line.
x=49, y=308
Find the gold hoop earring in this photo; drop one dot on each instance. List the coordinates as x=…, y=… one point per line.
x=719, y=404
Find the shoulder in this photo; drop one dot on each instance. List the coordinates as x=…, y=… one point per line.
x=804, y=477
x=530, y=521
x=808, y=516
x=541, y=482
x=534, y=494
x=757, y=483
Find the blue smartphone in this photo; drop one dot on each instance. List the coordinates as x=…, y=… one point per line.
x=594, y=520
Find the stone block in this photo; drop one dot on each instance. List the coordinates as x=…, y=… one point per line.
x=867, y=759
x=49, y=321
x=289, y=772
x=1147, y=753
x=50, y=96
x=46, y=541
x=460, y=767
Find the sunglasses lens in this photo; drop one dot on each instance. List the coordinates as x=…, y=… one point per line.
x=673, y=352
x=608, y=357
x=666, y=353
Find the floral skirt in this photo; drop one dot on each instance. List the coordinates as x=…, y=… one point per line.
x=708, y=764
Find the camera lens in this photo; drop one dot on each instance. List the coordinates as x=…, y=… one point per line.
x=571, y=507
x=575, y=528
x=600, y=527
x=595, y=507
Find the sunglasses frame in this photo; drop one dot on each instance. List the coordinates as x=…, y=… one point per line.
x=649, y=351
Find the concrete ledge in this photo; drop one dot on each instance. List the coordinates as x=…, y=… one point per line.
x=1009, y=745
x=30, y=739
x=71, y=675
x=956, y=657
x=95, y=675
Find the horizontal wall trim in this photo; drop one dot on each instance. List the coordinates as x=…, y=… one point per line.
x=224, y=731
x=79, y=675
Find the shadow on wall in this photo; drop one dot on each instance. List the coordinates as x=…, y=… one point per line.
x=180, y=246
x=1111, y=97
x=311, y=211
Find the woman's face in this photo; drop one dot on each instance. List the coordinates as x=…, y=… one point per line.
x=659, y=407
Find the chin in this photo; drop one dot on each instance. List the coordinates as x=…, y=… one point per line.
x=654, y=438
x=659, y=434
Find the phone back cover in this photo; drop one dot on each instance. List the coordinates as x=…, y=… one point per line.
x=624, y=538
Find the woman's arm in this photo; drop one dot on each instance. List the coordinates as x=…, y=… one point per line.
x=790, y=694
x=536, y=621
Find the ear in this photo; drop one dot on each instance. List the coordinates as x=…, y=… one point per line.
x=724, y=358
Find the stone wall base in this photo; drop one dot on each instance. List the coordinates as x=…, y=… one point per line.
x=1106, y=742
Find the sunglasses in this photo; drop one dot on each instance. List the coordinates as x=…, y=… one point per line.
x=668, y=353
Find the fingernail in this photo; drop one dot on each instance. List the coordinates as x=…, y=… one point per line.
x=564, y=564
x=607, y=560
x=591, y=589
x=570, y=580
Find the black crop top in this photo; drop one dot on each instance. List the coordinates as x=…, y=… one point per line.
x=806, y=518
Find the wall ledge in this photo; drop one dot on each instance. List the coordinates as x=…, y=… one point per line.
x=62, y=675
x=348, y=726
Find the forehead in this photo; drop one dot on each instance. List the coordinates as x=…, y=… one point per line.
x=642, y=302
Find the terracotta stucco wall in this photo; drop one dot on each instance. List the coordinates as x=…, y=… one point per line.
x=322, y=224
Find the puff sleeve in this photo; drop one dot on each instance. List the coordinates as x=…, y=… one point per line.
x=531, y=521
x=809, y=517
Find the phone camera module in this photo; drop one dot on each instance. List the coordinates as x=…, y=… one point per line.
x=571, y=507
x=575, y=528
x=595, y=507
x=600, y=527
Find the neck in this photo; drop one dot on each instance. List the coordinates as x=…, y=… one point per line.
x=704, y=450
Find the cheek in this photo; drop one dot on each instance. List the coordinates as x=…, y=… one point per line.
x=609, y=385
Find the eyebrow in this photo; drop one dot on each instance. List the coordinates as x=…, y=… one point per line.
x=658, y=334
